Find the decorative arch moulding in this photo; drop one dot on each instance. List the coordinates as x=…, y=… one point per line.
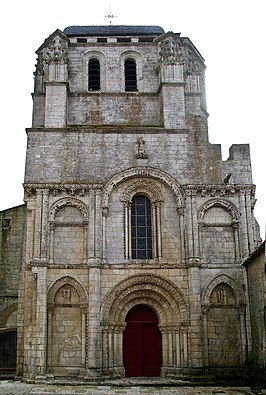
x=155, y=291
x=63, y=281
x=224, y=204
x=229, y=281
x=145, y=173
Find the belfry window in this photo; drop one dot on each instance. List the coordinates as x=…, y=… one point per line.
x=130, y=75
x=141, y=229
x=94, y=75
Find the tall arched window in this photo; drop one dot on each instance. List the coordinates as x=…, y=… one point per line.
x=141, y=228
x=130, y=75
x=94, y=75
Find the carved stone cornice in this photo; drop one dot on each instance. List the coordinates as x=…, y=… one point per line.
x=218, y=190
x=63, y=189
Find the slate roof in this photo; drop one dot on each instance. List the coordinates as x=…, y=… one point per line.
x=113, y=30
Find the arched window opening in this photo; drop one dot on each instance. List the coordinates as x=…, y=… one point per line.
x=130, y=75
x=94, y=75
x=141, y=228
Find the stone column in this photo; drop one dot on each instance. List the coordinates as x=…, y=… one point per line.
x=205, y=336
x=195, y=232
x=159, y=230
x=41, y=223
x=236, y=238
x=129, y=233
x=243, y=224
x=154, y=231
x=178, y=350
x=189, y=224
x=243, y=333
x=165, y=355
x=184, y=334
x=195, y=316
x=85, y=241
x=83, y=334
x=94, y=354
x=180, y=211
x=38, y=225
x=44, y=223
x=98, y=226
x=40, y=332
x=30, y=246
x=250, y=220
x=91, y=226
x=51, y=242
x=126, y=230
x=105, y=351
x=118, y=350
x=104, y=213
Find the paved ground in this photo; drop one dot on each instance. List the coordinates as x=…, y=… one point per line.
x=18, y=388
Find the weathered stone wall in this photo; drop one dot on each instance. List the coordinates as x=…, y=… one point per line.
x=12, y=231
x=255, y=267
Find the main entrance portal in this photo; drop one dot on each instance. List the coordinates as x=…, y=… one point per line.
x=142, y=343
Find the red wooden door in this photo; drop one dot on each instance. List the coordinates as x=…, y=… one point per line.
x=142, y=343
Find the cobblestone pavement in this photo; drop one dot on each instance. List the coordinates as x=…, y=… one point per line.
x=18, y=388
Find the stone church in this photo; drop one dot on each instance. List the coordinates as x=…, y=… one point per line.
x=130, y=245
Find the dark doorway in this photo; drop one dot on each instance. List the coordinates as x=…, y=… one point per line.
x=8, y=351
x=142, y=343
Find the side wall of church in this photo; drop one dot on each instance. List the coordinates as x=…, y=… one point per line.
x=12, y=231
x=256, y=274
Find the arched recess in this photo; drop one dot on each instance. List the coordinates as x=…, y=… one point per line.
x=67, y=309
x=142, y=180
x=8, y=317
x=218, y=221
x=173, y=315
x=224, y=325
x=68, y=226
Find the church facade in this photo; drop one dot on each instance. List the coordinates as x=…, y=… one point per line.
x=135, y=228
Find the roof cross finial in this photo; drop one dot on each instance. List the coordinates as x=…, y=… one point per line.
x=110, y=15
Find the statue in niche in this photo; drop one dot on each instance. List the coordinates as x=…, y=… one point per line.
x=141, y=149
x=66, y=293
x=221, y=296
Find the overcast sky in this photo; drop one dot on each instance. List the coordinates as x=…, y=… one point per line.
x=230, y=35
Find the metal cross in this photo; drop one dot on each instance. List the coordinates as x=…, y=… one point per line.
x=110, y=15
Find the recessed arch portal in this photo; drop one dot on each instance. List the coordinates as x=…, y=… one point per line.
x=169, y=305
